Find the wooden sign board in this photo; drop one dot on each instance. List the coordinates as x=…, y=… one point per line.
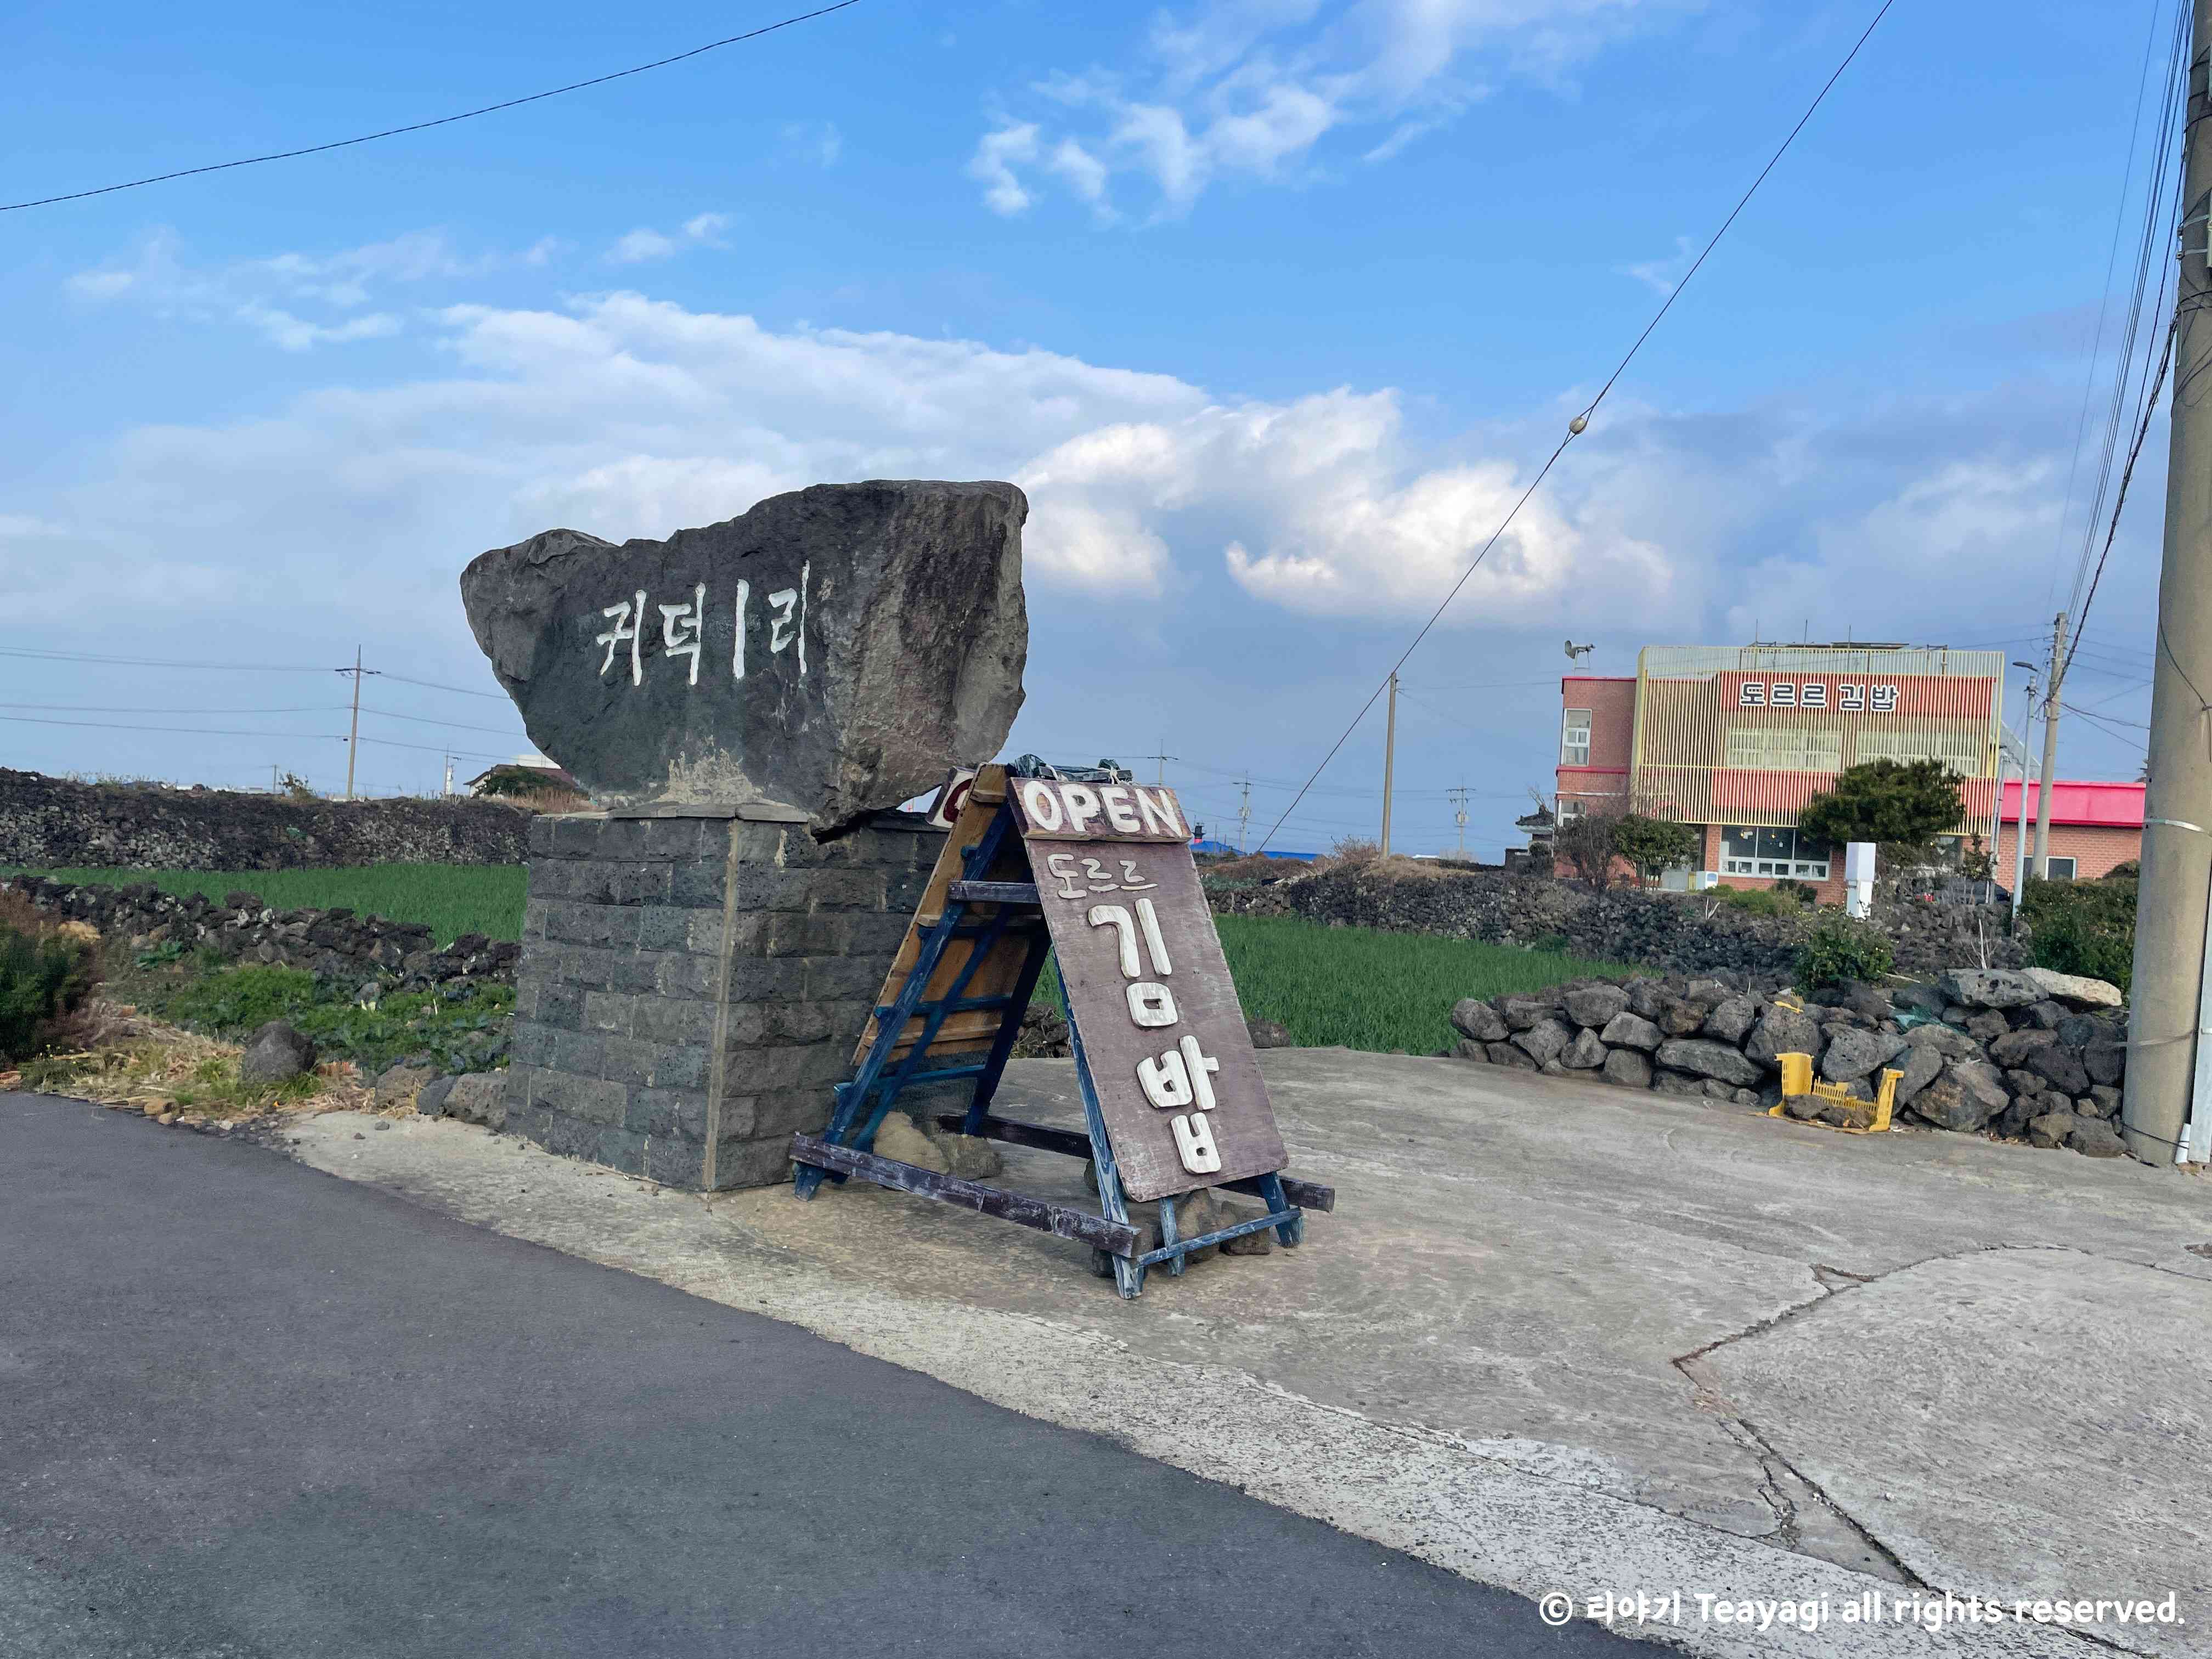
x=966, y=805
x=1163, y=1035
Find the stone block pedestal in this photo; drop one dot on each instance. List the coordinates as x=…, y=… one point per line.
x=691, y=986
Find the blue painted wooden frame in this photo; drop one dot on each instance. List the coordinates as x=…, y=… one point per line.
x=862, y=1103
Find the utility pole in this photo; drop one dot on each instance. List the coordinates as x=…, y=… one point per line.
x=2019, y=817
x=1459, y=815
x=1389, y=760
x=353, y=740
x=1243, y=813
x=2043, y=792
x=449, y=774
x=2165, y=998
x=1163, y=759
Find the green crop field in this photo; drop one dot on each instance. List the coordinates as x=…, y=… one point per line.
x=449, y=899
x=1352, y=987
x=1358, y=987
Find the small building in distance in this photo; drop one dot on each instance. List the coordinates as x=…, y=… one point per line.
x=2094, y=828
x=1735, y=740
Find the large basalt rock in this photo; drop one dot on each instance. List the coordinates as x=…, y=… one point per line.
x=1479, y=1020
x=1783, y=1031
x=1992, y=987
x=2078, y=989
x=1707, y=1059
x=1591, y=1006
x=831, y=651
x=1854, y=1054
x=1966, y=1097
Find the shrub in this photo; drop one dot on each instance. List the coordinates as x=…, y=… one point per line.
x=41, y=980
x=1800, y=891
x=2131, y=871
x=1653, y=845
x=1841, y=947
x=1586, y=844
x=1757, y=900
x=2085, y=927
x=1356, y=850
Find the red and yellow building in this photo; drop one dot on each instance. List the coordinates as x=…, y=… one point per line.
x=1736, y=739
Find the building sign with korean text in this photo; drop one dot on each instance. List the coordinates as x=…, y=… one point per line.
x=1164, y=1036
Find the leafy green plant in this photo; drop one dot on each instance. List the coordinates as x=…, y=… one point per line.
x=1757, y=900
x=159, y=956
x=1841, y=947
x=2085, y=927
x=41, y=978
x=464, y=1032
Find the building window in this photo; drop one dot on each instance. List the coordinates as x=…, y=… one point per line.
x=1778, y=854
x=2059, y=869
x=1571, y=809
x=1964, y=752
x=1784, y=748
x=1574, y=739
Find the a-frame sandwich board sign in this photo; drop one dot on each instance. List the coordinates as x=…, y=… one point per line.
x=1098, y=870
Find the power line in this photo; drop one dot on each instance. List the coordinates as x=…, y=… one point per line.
x=125, y=708
x=181, y=731
x=160, y=662
x=1581, y=422
x=424, y=719
x=497, y=696
x=423, y=126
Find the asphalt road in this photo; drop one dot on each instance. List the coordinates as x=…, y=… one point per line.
x=248, y=1410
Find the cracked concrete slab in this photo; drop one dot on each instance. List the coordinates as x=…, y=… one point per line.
x=1475, y=1358
x=2026, y=1423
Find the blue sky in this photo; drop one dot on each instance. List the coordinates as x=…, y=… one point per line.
x=1270, y=305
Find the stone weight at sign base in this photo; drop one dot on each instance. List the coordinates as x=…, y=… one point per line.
x=1096, y=871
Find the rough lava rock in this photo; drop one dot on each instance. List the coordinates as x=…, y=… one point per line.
x=1708, y=1059
x=831, y=651
x=1628, y=1031
x=1992, y=987
x=1593, y=1007
x=2076, y=989
x=276, y=1053
x=1478, y=1019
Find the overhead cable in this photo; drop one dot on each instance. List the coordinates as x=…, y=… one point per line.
x=1580, y=423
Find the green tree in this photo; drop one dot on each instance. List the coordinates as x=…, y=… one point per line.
x=1902, y=805
x=1654, y=844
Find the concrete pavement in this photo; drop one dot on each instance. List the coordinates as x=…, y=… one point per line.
x=1527, y=1347
x=247, y=1411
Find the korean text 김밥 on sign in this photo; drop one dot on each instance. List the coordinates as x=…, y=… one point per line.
x=1161, y=1031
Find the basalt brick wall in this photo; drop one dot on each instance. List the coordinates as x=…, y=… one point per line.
x=49, y=823
x=691, y=988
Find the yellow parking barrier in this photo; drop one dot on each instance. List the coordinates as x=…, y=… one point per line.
x=1798, y=1082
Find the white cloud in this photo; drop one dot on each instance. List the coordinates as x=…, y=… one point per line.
x=645, y=244
x=991, y=166
x=1251, y=88
x=269, y=294
x=625, y=416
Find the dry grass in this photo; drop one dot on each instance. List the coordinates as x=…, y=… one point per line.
x=112, y=1053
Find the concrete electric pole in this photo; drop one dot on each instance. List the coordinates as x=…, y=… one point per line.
x=2170, y=932
x=1389, y=759
x=2043, y=791
x=1459, y=815
x=1243, y=813
x=353, y=740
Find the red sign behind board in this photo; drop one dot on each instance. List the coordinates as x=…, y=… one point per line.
x=1168, y=1051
